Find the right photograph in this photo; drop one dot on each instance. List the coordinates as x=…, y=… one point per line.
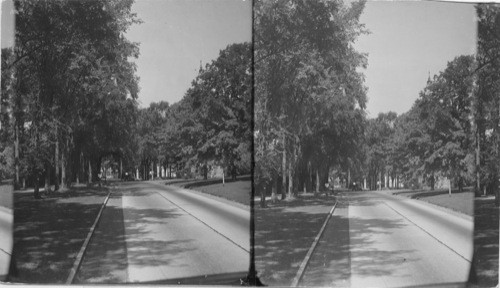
x=376, y=143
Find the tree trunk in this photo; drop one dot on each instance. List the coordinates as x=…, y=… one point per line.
x=283, y=169
x=477, y=189
x=274, y=196
x=56, y=162
x=263, y=190
x=63, y=172
x=16, y=157
x=89, y=180
x=317, y=182
x=290, y=180
x=348, y=177
x=380, y=181
x=47, y=178
x=36, y=190
x=449, y=187
x=310, y=172
x=81, y=169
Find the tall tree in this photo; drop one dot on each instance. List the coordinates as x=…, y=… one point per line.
x=487, y=102
x=75, y=59
x=307, y=81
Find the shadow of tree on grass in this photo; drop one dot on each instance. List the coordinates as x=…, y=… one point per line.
x=284, y=233
x=48, y=233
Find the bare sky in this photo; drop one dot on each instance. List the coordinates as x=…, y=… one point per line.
x=407, y=41
x=177, y=34
x=7, y=24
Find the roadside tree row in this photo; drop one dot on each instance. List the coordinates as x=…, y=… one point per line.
x=210, y=127
x=452, y=130
x=68, y=89
x=309, y=95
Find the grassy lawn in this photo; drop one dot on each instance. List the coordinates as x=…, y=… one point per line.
x=48, y=233
x=238, y=191
x=6, y=195
x=284, y=232
x=460, y=202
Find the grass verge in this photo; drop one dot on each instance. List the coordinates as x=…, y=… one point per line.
x=48, y=233
x=6, y=195
x=460, y=202
x=238, y=191
x=284, y=232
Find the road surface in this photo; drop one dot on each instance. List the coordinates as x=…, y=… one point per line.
x=6, y=222
x=375, y=239
x=152, y=233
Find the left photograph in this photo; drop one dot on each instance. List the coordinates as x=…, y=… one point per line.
x=125, y=141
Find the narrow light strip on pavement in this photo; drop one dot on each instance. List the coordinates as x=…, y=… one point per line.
x=79, y=257
x=304, y=263
x=245, y=249
x=442, y=243
x=5, y=252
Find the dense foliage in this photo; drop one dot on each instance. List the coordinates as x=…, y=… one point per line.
x=210, y=126
x=69, y=103
x=309, y=96
x=70, y=88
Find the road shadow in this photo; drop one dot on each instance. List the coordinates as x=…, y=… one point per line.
x=331, y=263
x=105, y=260
x=284, y=233
x=376, y=262
x=48, y=233
x=119, y=242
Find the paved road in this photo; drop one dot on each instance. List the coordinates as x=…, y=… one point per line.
x=378, y=240
x=6, y=222
x=152, y=233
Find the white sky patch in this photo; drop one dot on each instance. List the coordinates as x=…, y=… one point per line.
x=408, y=40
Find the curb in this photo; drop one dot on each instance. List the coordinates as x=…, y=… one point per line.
x=304, y=263
x=79, y=257
x=204, y=223
x=428, y=233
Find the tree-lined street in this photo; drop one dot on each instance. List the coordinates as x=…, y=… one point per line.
x=376, y=239
x=151, y=233
x=315, y=136
x=73, y=125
